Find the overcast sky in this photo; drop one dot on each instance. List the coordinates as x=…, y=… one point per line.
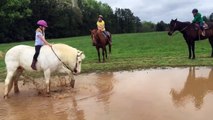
x=157, y=10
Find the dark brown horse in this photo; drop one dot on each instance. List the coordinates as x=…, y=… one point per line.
x=191, y=35
x=100, y=41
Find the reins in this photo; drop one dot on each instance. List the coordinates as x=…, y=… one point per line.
x=63, y=62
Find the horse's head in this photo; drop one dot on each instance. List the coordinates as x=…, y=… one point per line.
x=172, y=27
x=80, y=56
x=93, y=35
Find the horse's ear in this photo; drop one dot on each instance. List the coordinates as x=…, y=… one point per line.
x=176, y=19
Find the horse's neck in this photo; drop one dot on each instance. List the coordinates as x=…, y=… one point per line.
x=100, y=37
x=182, y=26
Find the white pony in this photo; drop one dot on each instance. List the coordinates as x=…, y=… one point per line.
x=60, y=57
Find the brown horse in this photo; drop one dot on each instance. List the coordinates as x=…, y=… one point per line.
x=100, y=41
x=190, y=34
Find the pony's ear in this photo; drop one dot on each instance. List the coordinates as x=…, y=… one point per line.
x=176, y=19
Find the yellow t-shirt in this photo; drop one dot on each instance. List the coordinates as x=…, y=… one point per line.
x=101, y=25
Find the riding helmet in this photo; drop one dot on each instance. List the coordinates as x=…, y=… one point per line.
x=100, y=16
x=195, y=11
x=42, y=23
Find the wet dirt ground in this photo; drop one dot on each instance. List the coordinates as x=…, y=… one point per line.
x=153, y=94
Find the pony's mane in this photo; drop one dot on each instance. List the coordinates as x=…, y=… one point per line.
x=66, y=52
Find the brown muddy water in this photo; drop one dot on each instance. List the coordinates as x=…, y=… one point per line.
x=154, y=94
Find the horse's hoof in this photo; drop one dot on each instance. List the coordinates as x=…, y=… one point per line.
x=6, y=97
x=48, y=94
x=16, y=91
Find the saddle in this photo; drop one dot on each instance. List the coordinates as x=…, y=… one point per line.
x=199, y=29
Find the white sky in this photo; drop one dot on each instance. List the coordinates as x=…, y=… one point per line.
x=157, y=10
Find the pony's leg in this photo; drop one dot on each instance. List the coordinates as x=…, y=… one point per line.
x=8, y=84
x=211, y=42
x=72, y=80
x=47, y=80
x=15, y=81
x=98, y=50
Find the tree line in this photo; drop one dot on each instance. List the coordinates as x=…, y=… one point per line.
x=66, y=18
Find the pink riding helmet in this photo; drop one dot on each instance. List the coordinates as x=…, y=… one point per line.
x=42, y=23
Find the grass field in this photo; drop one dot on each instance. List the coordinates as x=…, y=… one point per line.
x=133, y=51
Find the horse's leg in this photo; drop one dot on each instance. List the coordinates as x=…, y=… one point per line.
x=8, y=83
x=103, y=50
x=47, y=80
x=98, y=50
x=109, y=49
x=193, y=49
x=211, y=42
x=189, y=49
x=18, y=73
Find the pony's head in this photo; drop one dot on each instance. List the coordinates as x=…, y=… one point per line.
x=80, y=56
x=172, y=27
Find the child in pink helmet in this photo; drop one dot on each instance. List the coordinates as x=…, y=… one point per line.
x=39, y=41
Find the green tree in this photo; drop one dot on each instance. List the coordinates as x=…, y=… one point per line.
x=161, y=26
x=13, y=14
x=211, y=17
x=148, y=26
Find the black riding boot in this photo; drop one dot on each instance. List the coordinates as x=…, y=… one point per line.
x=33, y=65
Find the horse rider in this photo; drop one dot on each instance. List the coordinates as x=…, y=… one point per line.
x=198, y=20
x=101, y=27
x=39, y=41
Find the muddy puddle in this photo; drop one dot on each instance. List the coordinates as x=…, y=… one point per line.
x=154, y=94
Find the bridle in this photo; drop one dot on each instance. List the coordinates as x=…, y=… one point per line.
x=179, y=30
x=76, y=64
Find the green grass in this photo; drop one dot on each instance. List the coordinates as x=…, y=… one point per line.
x=133, y=51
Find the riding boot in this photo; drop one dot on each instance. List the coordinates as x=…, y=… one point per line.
x=33, y=65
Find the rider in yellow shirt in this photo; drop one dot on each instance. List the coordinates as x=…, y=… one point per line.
x=101, y=26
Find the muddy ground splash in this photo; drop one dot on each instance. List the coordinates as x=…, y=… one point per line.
x=153, y=94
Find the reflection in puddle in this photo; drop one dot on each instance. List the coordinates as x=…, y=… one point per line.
x=195, y=88
x=154, y=94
